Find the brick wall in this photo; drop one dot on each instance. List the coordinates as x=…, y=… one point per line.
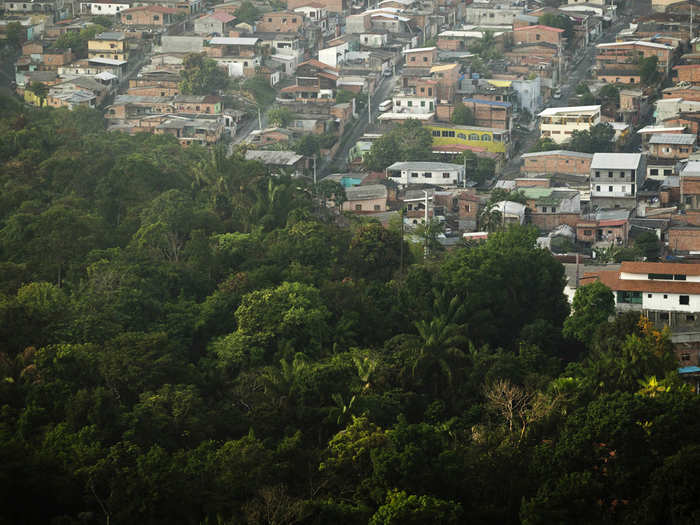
x=280, y=23
x=534, y=35
x=556, y=164
x=549, y=221
x=689, y=73
x=153, y=91
x=421, y=59
x=684, y=239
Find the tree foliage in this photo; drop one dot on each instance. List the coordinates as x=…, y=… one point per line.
x=201, y=76
x=462, y=115
x=186, y=339
x=407, y=141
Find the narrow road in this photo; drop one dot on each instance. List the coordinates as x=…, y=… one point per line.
x=582, y=64
x=383, y=92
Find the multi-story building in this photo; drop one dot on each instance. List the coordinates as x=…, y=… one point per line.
x=435, y=173
x=150, y=15
x=539, y=33
x=421, y=57
x=414, y=104
x=281, y=22
x=111, y=45
x=666, y=293
x=665, y=150
x=474, y=138
x=613, y=55
x=490, y=113
x=616, y=179
x=219, y=23
x=558, y=124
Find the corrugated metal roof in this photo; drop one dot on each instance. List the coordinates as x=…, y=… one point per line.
x=233, y=41
x=616, y=161
x=430, y=166
x=670, y=138
x=562, y=152
x=371, y=191
x=572, y=109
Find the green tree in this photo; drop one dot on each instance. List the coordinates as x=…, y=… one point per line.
x=648, y=70
x=609, y=95
x=545, y=144
x=560, y=22
x=593, y=304
x=280, y=116
x=401, y=508
x=201, y=76
x=16, y=34
x=648, y=245
x=407, y=141
x=598, y=139
x=41, y=90
x=462, y=115
x=259, y=87
x=247, y=12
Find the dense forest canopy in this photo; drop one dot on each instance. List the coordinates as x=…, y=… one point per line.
x=186, y=339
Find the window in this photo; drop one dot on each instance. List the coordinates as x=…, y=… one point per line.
x=609, y=188
x=588, y=232
x=544, y=209
x=668, y=172
x=430, y=92
x=413, y=59
x=451, y=133
x=648, y=296
x=610, y=174
x=597, y=174
x=663, y=276
x=461, y=136
x=445, y=133
x=398, y=103
x=685, y=356
x=473, y=136
x=690, y=317
x=663, y=316
x=654, y=171
x=128, y=17
x=414, y=175
x=284, y=20
x=422, y=90
x=377, y=207
x=422, y=103
x=358, y=207
x=410, y=104
x=156, y=17
x=629, y=297
x=427, y=175
x=554, y=210
x=486, y=138
x=294, y=20
x=269, y=19
x=425, y=59
x=665, y=296
x=679, y=277
x=436, y=133
x=445, y=175
x=597, y=188
x=537, y=36
x=684, y=299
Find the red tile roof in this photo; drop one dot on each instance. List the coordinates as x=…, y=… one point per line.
x=654, y=267
x=611, y=279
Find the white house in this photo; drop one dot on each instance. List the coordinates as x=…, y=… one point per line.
x=559, y=123
x=436, y=173
x=615, y=179
x=667, y=293
x=413, y=104
x=103, y=7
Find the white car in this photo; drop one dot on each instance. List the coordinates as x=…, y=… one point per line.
x=557, y=94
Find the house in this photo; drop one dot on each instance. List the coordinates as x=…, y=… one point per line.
x=559, y=123
x=278, y=160
x=149, y=16
x=155, y=84
x=110, y=45
x=315, y=12
x=188, y=130
x=672, y=146
x=281, y=22
x=414, y=104
x=539, y=33
x=615, y=55
x=690, y=187
x=103, y=7
x=371, y=198
x=314, y=82
x=557, y=161
x=474, y=138
x=602, y=231
x=688, y=73
x=219, y=23
x=511, y=212
x=616, y=178
x=435, y=173
x=668, y=294
x=421, y=57
x=490, y=113
x=269, y=136
x=464, y=205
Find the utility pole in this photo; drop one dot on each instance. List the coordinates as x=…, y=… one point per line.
x=315, y=162
x=369, y=106
x=259, y=119
x=691, y=22
x=403, y=211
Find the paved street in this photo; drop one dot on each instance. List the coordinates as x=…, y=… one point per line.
x=383, y=92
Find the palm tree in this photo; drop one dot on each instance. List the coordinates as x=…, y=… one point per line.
x=280, y=383
x=441, y=339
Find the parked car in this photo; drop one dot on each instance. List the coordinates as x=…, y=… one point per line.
x=557, y=94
